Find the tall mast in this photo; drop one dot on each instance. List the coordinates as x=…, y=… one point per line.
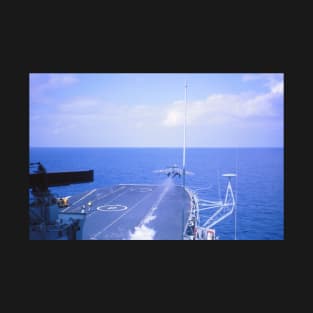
x=184, y=148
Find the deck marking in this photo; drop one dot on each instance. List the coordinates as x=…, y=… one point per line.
x=88, y=194
x=112, y=207
x=118, y=218
x=109, y=193
x=97, y=199
x=143, y=189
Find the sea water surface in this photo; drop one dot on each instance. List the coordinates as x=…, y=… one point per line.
x=259, y=186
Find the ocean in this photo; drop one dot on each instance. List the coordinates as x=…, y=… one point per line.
x=259, y=185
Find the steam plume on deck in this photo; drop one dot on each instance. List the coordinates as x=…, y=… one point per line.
x=142, y=231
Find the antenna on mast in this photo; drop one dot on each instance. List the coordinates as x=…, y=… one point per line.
x=184, y=148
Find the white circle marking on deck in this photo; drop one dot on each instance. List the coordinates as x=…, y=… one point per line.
x=112, y=208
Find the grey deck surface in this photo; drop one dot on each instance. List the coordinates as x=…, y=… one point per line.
x=134, y=212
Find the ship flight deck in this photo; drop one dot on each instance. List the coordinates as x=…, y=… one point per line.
x=128, y=211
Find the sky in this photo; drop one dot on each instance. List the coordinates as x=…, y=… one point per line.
x=147, y=110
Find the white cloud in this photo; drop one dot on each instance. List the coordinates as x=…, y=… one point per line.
x=257, y=76
x=35, y=117
x=40, y=83
x=60, y=80
x=220, y=109
x=262, y=76
x=274, y=81
x=174, y=117
x=139, y=125
x=81, y=105
x=278, y=88
x=94, y=121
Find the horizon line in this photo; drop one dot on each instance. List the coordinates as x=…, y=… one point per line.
x=163, y=147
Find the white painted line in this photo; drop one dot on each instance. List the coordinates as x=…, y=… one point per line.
x=92, y=213
x=122, y=215
x=109, y=193
x=107, y=227
x=118, y=195
x=88, y=194
x=140, y=189
x=142, y=185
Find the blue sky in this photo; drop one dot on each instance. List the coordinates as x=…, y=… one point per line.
x=147, y=110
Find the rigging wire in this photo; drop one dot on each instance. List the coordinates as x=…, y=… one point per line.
x=236, y=193
x=218, y=184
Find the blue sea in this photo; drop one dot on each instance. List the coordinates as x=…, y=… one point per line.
x=259, y=186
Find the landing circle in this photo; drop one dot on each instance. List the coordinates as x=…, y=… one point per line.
x=112, y=208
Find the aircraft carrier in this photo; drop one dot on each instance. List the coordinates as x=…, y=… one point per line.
x=122, y=212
